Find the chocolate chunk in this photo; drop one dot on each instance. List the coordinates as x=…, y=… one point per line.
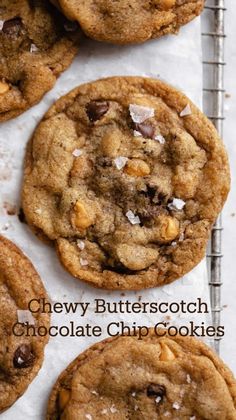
x=12, y=26
x=156, y=390
x=21, y=216
x=23, y=357
x=95, y=110
x=146, y=129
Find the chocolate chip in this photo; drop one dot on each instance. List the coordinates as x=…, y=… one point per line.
x=21, y=216
x=156, y=390
x=95, y=110
x=12, y=26
x=146, y=129
x=23, y=357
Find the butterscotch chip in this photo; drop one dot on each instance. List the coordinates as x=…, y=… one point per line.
x=4, y=88
x=124, y=378
x=127, y=197
x=21, y=356
x=124, y=22
x=35, y=48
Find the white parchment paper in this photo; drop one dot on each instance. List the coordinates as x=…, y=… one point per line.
x=174, y=59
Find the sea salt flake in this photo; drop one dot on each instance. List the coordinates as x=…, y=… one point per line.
x=88, y=417
x=81, y=245
x=94, y=392
x=140, y=113
x=173, y=243
x=192, y=418
x=166, y=414
x=77, y=152
x=137, y=134
x=176, y=406
x=33, y=48
x=136, y=408
x=113, y=409
x=158, y=399
x=133, y=394
x=177, y=204
x=134, y=220
x=186, y=111
x=160, y=138
x=189, y=380
x=181, y=237
x=104, y=411
x=120, y=162
x=25, y=316
x=1, y=24
x=83, y=262
x=38, y=211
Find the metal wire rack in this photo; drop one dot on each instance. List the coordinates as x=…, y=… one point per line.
x=213, y=37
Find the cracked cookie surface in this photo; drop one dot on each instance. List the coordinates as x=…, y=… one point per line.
x=20, y=357
x=177, y=378
x=126, y=176
x=123, y=22
x=36, y=44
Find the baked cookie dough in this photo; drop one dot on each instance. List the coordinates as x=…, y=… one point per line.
x=36, y=44
x=126, y=176
x=176, y=378
x=20, y=357
x=130, y=21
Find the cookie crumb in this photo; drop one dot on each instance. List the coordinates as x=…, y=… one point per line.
x=134, y=220
x=120, y=162
x=139, y=113
x=186, y=111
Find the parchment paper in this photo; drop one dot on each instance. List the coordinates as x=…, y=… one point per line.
x=176, y=59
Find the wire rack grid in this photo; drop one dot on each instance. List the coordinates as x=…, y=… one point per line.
x=213, y=37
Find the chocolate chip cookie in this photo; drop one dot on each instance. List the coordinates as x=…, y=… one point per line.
x=177, y=378
x=20, y=357
x=36, y=44
x=126, y=176
x=130, y=21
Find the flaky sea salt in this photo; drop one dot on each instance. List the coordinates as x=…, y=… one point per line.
x=177, y=204
x=77, y=152
x=181, y=237
x=173, y=243
x=25, y=316
x=1, y=24
x=158, y=399
x=38, y=211
x=94, y=392
x=104, y=411
x=134, y=220
x=189, y=380
x=88, y=417
x=33, y=48
x=137, y=134
x=120, y=162
x=186, y=111
x=81, y=245
x=192, y=418
x=113, y=409
x=176, y=406
x=133, y=394
x=160, y=138
x=136, y=408
x=83, y=262
x=140, y=113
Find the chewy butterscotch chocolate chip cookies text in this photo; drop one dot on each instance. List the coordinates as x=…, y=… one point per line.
x=127, y=21
x=126, y=176
x=20, y=357
x=176, y=378
x=36, y=45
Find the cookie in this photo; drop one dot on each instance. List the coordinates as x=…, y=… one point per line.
x=124, y=22
x=126, y=176
x=20, y=356
x=36, y=44
x=177, y=378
